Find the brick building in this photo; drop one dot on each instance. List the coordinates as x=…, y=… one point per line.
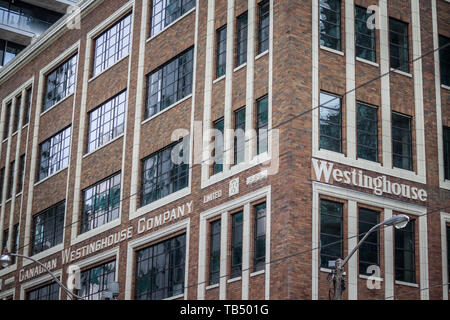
x=123, y=154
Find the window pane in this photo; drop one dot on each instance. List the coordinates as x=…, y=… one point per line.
x=94, y=281
x=330, y=122
x=367, y=132
x=54, y=153
x=221, y=51
x=401, y=141
x=369, y=250
x=444, y=60
x=399, y=46
x=446, y=134
x=263, y=26
x=364, y=37
x=331, y=231
x=214, y=261
x=48, y=228
x=330, y=24
x=236, y=245
x=405, y=253
x=241, y=39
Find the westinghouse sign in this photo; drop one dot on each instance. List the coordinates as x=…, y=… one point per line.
x=144, y=224
x=325, y=171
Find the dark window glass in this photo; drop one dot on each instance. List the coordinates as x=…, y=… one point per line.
x=11, y=179
x=398, y=45
x=48, y=227
x=221, y=51
x=263, y=26
x=48, y=292
x=401, y=141
x=5, y=239
x=331, y=231
x=447, y=152
x=16, y=242
x=26, y=113
x=444, y=60
x=259, y=257
x=236, y=244
x=8, y=49
x=405, y=266
x=330, y=122
x=218, y=146
x=367, y=132
x=330, y=24
x=241, y=40
x=17, y=113
x=214, y=253
x=112, y=45
x=239, y=136
x=169, y=83
x=107, y=121
x=94, y=281
x=54, y=153
x=2, y=180
x=262, y=124
x=61, y=82
x=365, y=43
x=7, y=119
x=165, y=12
x=21, y=174
x=160, y=270
x=101, y=203
x=370, y=249
x=161, y=175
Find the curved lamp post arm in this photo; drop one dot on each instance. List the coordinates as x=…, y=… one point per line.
x=361, y=242
x=49, y=272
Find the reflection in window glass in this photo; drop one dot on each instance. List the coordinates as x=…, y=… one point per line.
x=331, y=231
x=364, y=37
x=164, y=12
x=237, y=223
x=54, y=153
x=48, y=292
x=330, y=24
x=48, y=228
x=367, y=132
x=241, y=40
x=221, y=51
x=263, y=26
x=259, y=257
x=214, y=253
x=262, y=124
x=160, y=270
x=107, y=121
x=239, y=136
x=330, y=122
x=101, y=203
x=94, y=281
x=401, y=141
x=398, y=45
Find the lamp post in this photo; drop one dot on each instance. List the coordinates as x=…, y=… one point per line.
x=5, y=261
x=398, y=221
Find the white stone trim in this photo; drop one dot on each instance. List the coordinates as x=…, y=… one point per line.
x=338, y=52
x=153, y=237
x=375, y=64
x=389, y=206
x=445, y=220
x=443, y=183
x=8, y=293
x=350, y=68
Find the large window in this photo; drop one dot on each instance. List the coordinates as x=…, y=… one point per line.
x=10, y=179
x=169, y=83
x=239, y=136
x=365, y=44
x=446, y=152
x=17, y=113
x=8, y=50
x=107, y=121
x=367, y=132
x=7, y=119
x=262, y=125
x=162, y=175
x=2, y=180
x=398, y=45
x=401, y=141
x=26, y=112
x=101, y=203
x=241, y=39
x=218, y=146
x=164, y=12
x=5, y=239
x=48, y=292
x=95, y=280
x=369, y=251
x=160, y=270
x=112, y=45
x=405, y=266
x=330, y=122
x=331, y=231
x=330, y=24
x=221, y=51
x=444, y=60
x=48, y=227
x=21, y=174
x=214, y=253
x=61, y=82
x=54, y=153
x=237, y=221
x=263, y=26
x=448, y=251
x=259, y=241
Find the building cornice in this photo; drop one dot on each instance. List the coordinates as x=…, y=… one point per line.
x=46, y=39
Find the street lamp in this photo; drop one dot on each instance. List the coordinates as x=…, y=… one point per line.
x=398, y=221
x=5, y=261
